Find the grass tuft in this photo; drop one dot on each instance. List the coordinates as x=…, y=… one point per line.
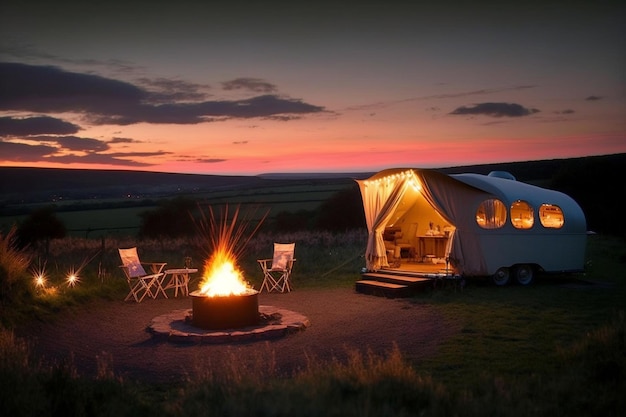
x=14, y=263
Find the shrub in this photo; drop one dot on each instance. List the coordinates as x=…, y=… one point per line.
x=40, y=225
x=14, y=263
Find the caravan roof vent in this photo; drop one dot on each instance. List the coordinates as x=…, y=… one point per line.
x=502, y=174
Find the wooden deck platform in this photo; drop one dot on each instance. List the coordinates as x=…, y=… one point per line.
x=405, y=281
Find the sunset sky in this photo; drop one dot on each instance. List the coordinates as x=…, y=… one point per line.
x=247, y=88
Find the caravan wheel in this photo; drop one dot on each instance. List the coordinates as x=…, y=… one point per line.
x=501, y=277
x=524, y=274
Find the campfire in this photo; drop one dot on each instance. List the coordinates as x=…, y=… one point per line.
x=224, y=299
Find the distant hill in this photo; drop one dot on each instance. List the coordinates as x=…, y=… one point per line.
x=31, y=185
x=26, y=185
x=597, y=183
x=527, y=171
x=542, y=170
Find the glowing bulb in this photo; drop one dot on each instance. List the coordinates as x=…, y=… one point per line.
x=72, y=278
x=40, y=280
x=39, y=276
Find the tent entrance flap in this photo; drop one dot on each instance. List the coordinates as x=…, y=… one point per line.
x=380, y=199
x=397, y=202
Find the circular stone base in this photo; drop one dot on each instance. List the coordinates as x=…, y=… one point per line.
x=176, y=327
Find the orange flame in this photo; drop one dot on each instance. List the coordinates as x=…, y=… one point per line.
x=222, y=277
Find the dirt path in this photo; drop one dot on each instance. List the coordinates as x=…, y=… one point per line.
x=115, y=332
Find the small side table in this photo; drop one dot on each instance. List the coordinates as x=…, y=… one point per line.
x=179, y=279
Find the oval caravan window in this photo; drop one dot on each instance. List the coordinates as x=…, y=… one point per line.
x=522, y=216
x=551, y=216
x=491, y=214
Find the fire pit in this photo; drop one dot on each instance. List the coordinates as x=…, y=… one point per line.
x=224, y=299
x=225, y=311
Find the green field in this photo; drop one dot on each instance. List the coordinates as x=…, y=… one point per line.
x=120, y=217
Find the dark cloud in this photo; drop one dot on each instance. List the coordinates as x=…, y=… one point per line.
x=46, y=89
x=20, y=152
x=71, y=143
x=210, y=160
x=283, y=118
x=271, y=105
x=195, y=159
x=593, y=98
x=88, y=151
x=124, y=140
x=10, y=126
x=256, y=85
x=495, y=110
x=95, y=158
x=74, y=143
x=166, y=90
x=138, y=154
x=566, y=111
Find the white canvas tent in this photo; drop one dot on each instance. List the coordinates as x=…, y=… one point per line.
x=420, y=202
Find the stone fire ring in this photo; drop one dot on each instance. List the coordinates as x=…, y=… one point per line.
x=176, y=327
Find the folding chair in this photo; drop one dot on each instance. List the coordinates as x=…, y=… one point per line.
x=140, y=282
x=277, y=271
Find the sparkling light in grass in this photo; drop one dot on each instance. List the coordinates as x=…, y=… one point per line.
x=40, y=281
x=39, y=276
x=72, y=278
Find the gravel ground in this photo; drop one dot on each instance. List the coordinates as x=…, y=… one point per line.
x=115, y=333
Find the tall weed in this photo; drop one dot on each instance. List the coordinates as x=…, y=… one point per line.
x=14, y=263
